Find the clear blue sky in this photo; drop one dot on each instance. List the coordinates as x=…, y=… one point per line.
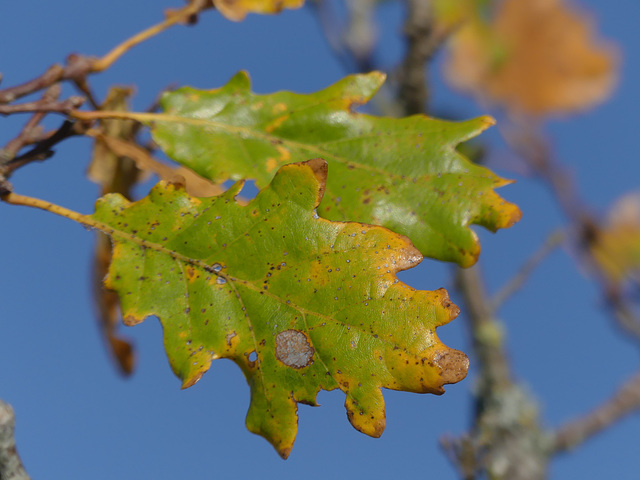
x=78, y=419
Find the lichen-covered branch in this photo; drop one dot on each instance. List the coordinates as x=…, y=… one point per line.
x=505, y=440
x=11, y=467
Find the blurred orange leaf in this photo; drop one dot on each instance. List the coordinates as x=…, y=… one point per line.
x=533, y=57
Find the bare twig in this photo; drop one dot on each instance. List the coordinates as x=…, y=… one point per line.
x=43, y=149
x=623, y=403
x=77, y=67
x=625, y=317
x=31, y=132
x=176, y=17
x=534, y=150
x=486, y=333
x=11, y=467
x=44, y=106
x=516, y=283
x=505, y=441
x=332, y=27
x=53, y=74
x=526, y=141
x=423, y=40
x=360, y=35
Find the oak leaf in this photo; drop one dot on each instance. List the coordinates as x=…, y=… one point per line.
x=300, y=303
x=404, y=174
x=533, y=57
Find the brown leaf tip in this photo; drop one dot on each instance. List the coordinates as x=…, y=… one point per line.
x=453, y=364
x=447, y=304
x=284, y=452
x=320, y=169
x=294, y=349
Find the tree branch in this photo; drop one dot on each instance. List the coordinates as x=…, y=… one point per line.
x=516, y=283
x=11, y=467
x=77, y=67
x=535, y=152
x=624, y=402
x=43, y=149
x=44, y=105
x=505, y=441
x=423, y=40
x=180, y=16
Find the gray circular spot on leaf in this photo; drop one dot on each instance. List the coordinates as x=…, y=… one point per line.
x=293, y=349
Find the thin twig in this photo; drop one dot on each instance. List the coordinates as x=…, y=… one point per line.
x=43, y=149
x=11, y=467
x=83, y=87
x=32, y=131
x=423, y=40
x=44, y=106
x=333, y=27
x=534, y=150
x=625, y=401
x=487, y=337
x=77, y=67
x=505, y=441
x=525, y=140
x=179, y=16
x=359, y=36
x=626, y=318
x=518, y=280
x=48, y=78
x=90, y=222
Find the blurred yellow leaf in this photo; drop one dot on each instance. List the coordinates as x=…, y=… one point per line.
x=449, y=13
x=616, y=248
x=533, y=57
x=238, y=9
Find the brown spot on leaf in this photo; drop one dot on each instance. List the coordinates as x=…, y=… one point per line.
x=293, y=349
x=320, y=169
x=454, y=365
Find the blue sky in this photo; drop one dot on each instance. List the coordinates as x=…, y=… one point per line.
x=77, y=418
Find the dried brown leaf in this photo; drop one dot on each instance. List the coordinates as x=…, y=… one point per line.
x=115, y=173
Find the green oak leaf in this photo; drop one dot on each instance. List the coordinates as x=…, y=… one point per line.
x=404, y=174
x=300, y=303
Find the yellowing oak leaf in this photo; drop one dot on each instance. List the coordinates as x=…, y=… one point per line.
x=300, y=303
x=534, y=57
x=238, y=9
